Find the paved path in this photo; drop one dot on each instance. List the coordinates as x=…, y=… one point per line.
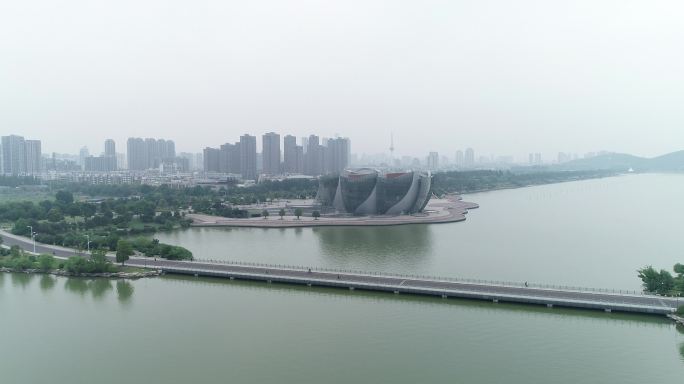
x=448, y=210
x=442, y=287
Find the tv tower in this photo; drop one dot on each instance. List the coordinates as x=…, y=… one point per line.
x=391, y=148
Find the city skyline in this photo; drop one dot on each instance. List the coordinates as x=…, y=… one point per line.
x=451, y=153
x=568, y=81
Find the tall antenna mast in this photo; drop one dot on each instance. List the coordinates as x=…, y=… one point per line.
x=391, y=148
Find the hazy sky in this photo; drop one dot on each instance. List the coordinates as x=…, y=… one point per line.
x=505, y=77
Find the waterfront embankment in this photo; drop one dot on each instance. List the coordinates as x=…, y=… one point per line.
x=450, y=209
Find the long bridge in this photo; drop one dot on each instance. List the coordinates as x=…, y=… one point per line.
x=550, y=296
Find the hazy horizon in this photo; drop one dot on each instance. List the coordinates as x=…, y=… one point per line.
x=505, y=78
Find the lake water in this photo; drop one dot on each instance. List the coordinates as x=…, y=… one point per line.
x=195, y=330
x=593, y=233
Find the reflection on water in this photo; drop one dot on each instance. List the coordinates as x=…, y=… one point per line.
x=21, y=279
x=47, y=282
x=76, y=285
x=99, y=287
x=681, y=350
x=124, y=289
x=407, y=245
x=483, y=308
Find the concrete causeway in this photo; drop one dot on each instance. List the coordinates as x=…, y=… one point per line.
x=605, y=300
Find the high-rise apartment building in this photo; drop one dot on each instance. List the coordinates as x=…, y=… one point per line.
x=337, y=154
x=469, y=160
x=299, y=159
x=459, y=159
x=433, y=161
x=248, y=157
x=19, y=156
x=13, y=155
x=82, y=154
x=34, y=157
x=136, y=153
x=229, y=158
x=110, y=148
x=211, y=159
x=290, y=155
x=271, y=153
x=313, y=161
x=149, y=153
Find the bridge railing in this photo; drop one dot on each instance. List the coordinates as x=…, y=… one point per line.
x=419, y=277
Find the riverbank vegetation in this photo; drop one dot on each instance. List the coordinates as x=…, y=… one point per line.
x=17, y=260
x=663, y=282
x=487, y=180
x=97, y=224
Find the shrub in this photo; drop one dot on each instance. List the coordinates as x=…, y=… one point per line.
x=45, y=262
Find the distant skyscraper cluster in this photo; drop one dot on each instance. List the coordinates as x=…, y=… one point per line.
x=143, y=154
x=314, y=157
x=534, y=159
x=104, y=163
x=19, y=156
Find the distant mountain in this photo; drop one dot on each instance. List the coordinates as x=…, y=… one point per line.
x=622, y=162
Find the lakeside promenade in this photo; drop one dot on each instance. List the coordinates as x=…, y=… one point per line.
x=550, y=296
x=446, y=210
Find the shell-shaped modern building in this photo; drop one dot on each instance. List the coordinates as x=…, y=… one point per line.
x=367, y=191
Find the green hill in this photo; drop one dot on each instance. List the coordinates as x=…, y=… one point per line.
x=622, y=162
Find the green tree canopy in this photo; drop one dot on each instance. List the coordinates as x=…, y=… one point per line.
x=64, y=197
x=660, y=282
x=46, y=262
x=124, y=250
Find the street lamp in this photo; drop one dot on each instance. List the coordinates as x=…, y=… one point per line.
x=33, y=237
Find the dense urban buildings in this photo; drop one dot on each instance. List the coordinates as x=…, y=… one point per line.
x=320, y=157
x=149, y=153
x=104, y=163
x=368, y=191
x=19, y=156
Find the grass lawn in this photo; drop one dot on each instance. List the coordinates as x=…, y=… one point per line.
x=17, y=195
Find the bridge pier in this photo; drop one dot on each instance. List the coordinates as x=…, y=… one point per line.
x=308, y=284
x=495, y=301
x=608, y=310
x=549, y=305
x=351, y=288
x=444, y=296
x=396, y=292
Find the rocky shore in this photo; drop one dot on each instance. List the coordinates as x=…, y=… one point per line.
x=111, y=275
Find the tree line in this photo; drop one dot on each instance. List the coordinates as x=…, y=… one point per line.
x=98, y=225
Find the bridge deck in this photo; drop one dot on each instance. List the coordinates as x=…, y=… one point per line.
x=576, y=298
x=443, y=288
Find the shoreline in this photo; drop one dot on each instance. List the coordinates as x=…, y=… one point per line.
x=451, y=209
x=109, y=275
